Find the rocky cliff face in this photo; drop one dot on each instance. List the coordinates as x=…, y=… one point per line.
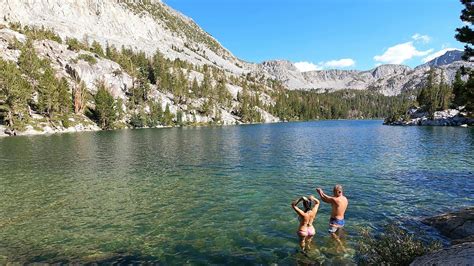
x=150, y=25
x=146, y=25
x=92, y=69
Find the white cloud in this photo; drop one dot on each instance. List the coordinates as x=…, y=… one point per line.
x=306, y=66
x=423, y=38
x=437, y=54
x=400, y=53
x=341, y=63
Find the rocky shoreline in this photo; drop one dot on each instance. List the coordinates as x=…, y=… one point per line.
x=91, y=127
x=31, y=131
x=459, y=228
x=418, y=117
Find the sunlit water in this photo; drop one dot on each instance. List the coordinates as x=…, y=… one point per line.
x=220, y=195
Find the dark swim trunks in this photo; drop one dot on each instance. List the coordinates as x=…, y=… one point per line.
x=335, y=224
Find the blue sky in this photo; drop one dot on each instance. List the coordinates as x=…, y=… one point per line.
x=323, y=34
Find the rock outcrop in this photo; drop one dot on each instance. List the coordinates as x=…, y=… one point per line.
x=418, y=117
x=67, y=63
x=462, y=254
x=92, y=69
x=459, y=227
x=141, y=25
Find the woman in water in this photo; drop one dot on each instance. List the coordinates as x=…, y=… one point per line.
x=306, y=230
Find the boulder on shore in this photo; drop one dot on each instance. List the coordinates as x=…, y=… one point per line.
x=457, y=226
x=419, y=117
x=462, y=254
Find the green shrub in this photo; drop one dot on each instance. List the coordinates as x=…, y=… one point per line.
x=42, y=33
x=74, y=44
x=137, y=121
x=394, y=246
x=65, y=121
x=88, y=58
x=96, y=48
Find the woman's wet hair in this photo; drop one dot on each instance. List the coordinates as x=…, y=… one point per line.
x=306, y=204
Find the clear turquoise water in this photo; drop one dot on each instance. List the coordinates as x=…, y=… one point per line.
x=220, y=195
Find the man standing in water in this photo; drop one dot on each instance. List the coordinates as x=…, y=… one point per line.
x=339, y=205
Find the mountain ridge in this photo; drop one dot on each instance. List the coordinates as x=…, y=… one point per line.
x=388, y=79
x=149, y=25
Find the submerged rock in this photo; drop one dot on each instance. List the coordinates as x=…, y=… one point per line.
x=457, y=226
x=462, y=254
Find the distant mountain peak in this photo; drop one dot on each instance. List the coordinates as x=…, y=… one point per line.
x=446, y=59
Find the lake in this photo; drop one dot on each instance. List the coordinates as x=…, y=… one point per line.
x=221, y=195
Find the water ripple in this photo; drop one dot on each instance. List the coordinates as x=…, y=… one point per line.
x=219, y=195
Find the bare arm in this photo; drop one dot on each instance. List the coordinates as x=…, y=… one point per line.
x=297, y=210
x=315, y=200
x=316, y=204
x=325, y=197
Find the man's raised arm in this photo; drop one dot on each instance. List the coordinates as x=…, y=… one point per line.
x=324, y=197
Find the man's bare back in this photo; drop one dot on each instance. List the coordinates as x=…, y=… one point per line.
x=339, y=205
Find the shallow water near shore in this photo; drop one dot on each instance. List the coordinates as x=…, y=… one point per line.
x=220, y=195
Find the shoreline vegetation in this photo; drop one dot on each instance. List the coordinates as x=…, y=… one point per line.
x=441, y=104
x=30, y=131
x=50, y=85
x=53, y=85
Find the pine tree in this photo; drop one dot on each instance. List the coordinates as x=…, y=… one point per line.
x=179, y=118
x=465, y=34
x=168, y=116
x=423, y=96
x=47, y=90
x=206, y=85
x=458, y=89
x=429, y=95
x=160, y=70
x=15, y=92
x=138, y=119
x=469, y=94
x=445, y=94
x=105, y=107
x=29, y=62
x=156, y=114
x=195, y=87
x=179, y=85
x=224, y=96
